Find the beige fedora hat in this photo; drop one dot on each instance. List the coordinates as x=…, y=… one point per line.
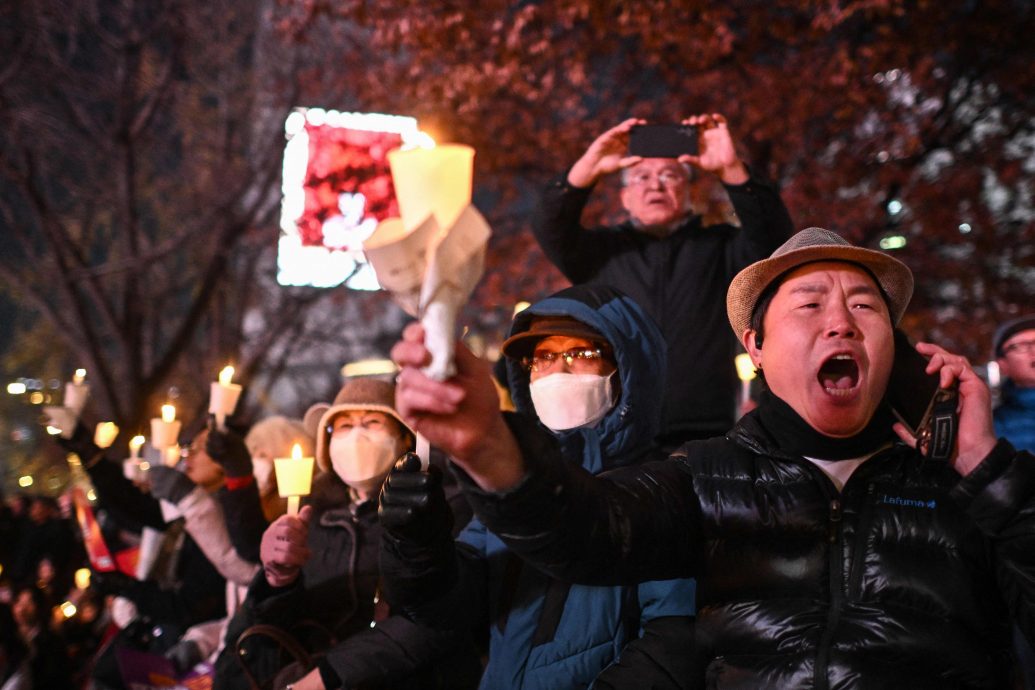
x=360, y=393
x=809, y=246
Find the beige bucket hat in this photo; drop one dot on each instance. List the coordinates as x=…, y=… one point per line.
x=362, y=393
x=809, y=246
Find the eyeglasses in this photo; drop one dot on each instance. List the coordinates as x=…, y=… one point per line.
x=667, y=178
x=1024, y=346
x=344, y=425
x=580, y=360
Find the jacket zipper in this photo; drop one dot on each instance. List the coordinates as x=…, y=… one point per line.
x=836, y=570
x=858, y=555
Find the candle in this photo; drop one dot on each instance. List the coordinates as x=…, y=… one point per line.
x=165, y=430
x=294, y=477
x=135, y=444
x=223, y=396
x=76, y=392
x=104, y=434
x=60, y=418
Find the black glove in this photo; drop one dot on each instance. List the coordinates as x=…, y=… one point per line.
x=114, y=582
x=169, y=484
x=81, y=443
x=185, y=655
x=227, y=448
x=413, y=505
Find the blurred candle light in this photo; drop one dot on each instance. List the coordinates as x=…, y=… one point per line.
x=105, y=433
x=135, y=444
x=77, y=392
x=223, y=396
x=294, y=477
x=82, y=578
x=68, y=609
x=746, y=373
x=168, y=414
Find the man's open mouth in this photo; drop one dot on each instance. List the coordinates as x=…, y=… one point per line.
x=839, y=375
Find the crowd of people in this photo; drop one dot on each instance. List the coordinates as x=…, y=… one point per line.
x=620, y=528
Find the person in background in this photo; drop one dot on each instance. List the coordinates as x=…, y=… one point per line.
x=1014, y=348
x=585, y=363
x=249, y=496
x=320, y=568
x=667, y=260
x=49, y=662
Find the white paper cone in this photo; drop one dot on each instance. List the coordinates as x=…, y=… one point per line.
x=399, y=258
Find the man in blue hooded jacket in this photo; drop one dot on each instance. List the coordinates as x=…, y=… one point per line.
x=587, y=363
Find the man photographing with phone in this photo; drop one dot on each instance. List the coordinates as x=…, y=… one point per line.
x=664, y=257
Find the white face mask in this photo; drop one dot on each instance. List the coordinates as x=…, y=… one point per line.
x=262, y=468
x=570, y=401
x=362, y=459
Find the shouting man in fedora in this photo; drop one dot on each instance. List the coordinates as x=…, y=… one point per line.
x=828, y=552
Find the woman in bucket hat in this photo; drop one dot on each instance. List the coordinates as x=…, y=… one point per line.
x=322, y=566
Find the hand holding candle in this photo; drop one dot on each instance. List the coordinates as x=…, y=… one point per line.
x=223, y=397
x=294, y=477
x=166, y=430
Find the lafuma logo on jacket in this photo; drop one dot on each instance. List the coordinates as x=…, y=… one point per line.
x=907, y=502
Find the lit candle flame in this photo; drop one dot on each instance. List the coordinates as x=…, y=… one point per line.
x=296, y=452
x=226, y=375
x=135, y=444
x=79, y=376
x=168, y=414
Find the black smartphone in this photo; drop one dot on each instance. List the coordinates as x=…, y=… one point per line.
x=927, y=411
x=662, y=141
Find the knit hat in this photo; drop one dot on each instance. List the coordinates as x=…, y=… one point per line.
x=362, y=393
x=1008, y=330
x=812, y=245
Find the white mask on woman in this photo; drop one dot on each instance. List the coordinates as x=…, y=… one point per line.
x=569, y=401
x=362, y=459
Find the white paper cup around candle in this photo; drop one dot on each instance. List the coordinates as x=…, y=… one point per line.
x=61, y=418
x=294, y=477
x=164, y=434
x=104, y=434
x=223, y=396
x=76, y=395
x=435, y=181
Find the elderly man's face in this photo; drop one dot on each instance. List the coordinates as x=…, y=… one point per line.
x=828, y=346
x=656, y=192
x=1018, y=360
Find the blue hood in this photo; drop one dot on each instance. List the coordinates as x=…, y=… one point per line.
x=626, y=434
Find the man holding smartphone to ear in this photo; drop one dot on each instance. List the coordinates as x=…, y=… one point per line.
x=665, y=258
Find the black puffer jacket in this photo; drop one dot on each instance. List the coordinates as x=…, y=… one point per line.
x=908, y=578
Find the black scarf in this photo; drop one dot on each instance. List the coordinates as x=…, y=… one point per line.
x=793, y=434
